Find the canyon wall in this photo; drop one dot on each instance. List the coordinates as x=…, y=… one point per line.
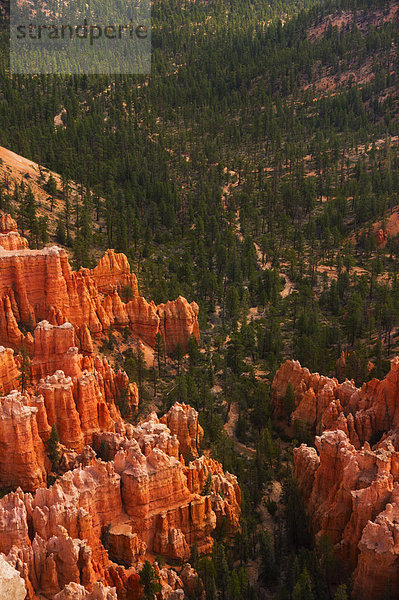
x=101, y=518
x=38, y=285
x=351, y=490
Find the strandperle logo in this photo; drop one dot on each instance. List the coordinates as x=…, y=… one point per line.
x=81, y=32
x=91, y=37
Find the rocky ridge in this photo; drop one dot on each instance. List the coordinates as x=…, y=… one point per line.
x=38, y=285
x=351, y=490
x=121, y=493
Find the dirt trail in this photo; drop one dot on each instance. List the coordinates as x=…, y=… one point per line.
x=228, y=188
x=288, y=285
x=230, y=427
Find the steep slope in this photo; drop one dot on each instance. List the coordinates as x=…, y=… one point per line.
x=40, y=284
x=143, y=500
x=351, y=490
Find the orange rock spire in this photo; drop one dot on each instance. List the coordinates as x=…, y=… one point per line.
x=38, y=285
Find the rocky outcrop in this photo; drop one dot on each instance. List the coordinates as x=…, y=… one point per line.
x=80, y=398
x=55, y=347
x=9, y=236
x=175, y=321
x=377, y=571
x=143, y=500
x=224, y=489
x=10, y=333
x=9, y=372
x=12, y=586
x=74, y=591
x=61, y=409
x=165, y=514
x=178, y=321
x=38, y=285
x=182, y=420
x=113, y=273
x=124, y=546
x=351, y=496
x=86, y=535
x=191, y=581
x=22, y=459
x=351, y=490
x=324, y=404
x=7, y=223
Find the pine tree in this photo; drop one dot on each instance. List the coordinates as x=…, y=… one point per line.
x=206, y=490
x=289, y=401
x=194, y=557
x=52, y=190
x=341, y=593
x=159, y=350
x=53, y=448
x=25, y=376
x=179, y=357
x=149, y=581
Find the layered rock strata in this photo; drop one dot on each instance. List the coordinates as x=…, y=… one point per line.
x=38, y=285
x=64, y=537
x=324, y=404
x=352, y=496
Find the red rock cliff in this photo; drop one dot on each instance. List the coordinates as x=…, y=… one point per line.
x=145, y=499
x=351, y=491
x=40, y=285
x=324, y=404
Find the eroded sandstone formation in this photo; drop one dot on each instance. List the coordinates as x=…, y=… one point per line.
x=182, y=420
x=351, y=490
x=87, y=535
x=9, y=372
x=324, y=404
x=71, y=534
x=77, y=393
x=352, y=496
x=22, y=456
x=38, y=285
x=12, y=585
x=99, y=517
x=10, y=239
x=74, y=591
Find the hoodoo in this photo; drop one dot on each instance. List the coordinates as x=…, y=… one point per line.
x=38, y=285
x=350, y=489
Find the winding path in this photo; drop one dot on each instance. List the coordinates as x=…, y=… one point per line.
x=230, y=427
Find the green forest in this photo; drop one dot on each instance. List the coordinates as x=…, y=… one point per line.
x=248, y=173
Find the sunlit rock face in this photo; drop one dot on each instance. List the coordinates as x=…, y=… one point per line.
x=12, y=586
x=351, y=490
x=37, y=285
x=146, y=499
